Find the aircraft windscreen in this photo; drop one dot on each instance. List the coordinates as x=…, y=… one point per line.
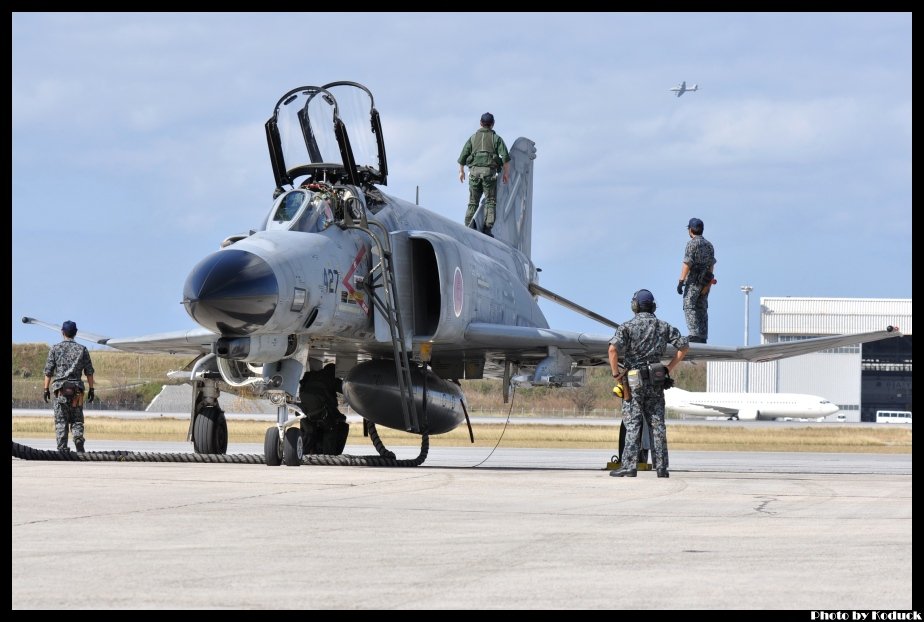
x=288, y=206
x=306, y=127
x=301, y=210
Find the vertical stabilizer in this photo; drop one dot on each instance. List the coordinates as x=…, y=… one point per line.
x=513, y=222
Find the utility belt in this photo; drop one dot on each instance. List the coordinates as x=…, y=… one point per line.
x=69, y=388
x=647, y=375
x=72, y=392
x=700, y=278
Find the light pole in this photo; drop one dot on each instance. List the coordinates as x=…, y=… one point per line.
x=747, y=299
x=747, y=305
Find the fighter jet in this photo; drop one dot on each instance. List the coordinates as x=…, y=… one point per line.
x=682, y=88
x=404, y=301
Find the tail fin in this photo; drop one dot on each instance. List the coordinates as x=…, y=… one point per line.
x=513, y=222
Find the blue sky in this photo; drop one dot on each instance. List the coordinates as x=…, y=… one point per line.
x=138, y=146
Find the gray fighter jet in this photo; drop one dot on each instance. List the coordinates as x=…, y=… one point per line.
x=406, y=302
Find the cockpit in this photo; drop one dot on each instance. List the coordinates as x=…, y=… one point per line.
x=301, y=210
x=313, y=207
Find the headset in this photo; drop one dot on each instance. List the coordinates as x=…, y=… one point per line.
x=636, y=308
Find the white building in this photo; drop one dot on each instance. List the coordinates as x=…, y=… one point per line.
x=861, y=379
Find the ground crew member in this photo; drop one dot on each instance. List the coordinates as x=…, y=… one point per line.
x=67, y=362
x=485, y=153
x=696, y=279
x=642, y=342
x=324, y=428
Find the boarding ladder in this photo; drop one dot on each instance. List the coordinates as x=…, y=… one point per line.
x=382, y=277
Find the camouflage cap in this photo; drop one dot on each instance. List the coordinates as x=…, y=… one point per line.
x=696, y=224
x=69, y=328
x=643, y=297
x=487, y=119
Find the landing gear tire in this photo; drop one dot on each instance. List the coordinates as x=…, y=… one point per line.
x=272, y=448
x=211, y=432
x=292, y=448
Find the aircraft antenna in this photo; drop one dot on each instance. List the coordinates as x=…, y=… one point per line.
x=417, y=197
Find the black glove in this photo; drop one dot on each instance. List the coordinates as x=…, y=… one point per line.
x=47, y=395
x=91, y=395
x=668, y=382
x=680, y=287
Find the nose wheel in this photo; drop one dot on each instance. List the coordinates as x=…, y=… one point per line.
x=272, y=447
x=292, y=447
x=288, y=451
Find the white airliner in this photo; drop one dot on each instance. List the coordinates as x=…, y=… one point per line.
x=748, y=406
x=682, y=88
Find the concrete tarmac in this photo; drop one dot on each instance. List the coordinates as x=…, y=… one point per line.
x=527, y=529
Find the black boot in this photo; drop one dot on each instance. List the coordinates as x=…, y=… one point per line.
x=663, y=473
x=487, y=232
x=624, y=471
x=79, y=443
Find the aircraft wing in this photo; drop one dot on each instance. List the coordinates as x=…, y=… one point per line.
x=193, y=341
x=588, y=348
x=523, y=339
x=774, y=351
x=502, y=341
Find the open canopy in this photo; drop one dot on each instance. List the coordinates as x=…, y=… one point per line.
x=329, y=133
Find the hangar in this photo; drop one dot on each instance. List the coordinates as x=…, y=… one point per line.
x=861, y=379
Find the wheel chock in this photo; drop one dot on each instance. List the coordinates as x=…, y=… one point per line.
x=614, y=463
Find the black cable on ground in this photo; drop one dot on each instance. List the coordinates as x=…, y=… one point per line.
x=500, y=438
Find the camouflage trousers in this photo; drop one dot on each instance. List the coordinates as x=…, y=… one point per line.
x=696, y=313
x=66, y=416
x=647, y=403
x=479, y=184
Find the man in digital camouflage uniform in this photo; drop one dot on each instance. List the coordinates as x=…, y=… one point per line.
x=484, y=153
x=324, y=428
x=67, y=362
x=696, y=278
x=642, y=342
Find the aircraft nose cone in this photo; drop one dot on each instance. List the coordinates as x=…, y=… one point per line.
x=231, y=292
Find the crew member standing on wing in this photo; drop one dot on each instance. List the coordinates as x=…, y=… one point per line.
x=696, y=279
x=642, y=342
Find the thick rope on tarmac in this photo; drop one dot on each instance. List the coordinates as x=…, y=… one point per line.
x=377, y=441
x=24, y=452
x=30, y=453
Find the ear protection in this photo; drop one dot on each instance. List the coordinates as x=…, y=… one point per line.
x=647, y=304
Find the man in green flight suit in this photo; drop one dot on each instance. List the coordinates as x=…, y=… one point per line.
x=484, y=153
